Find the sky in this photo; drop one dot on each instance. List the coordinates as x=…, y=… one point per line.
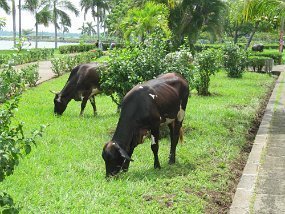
x=28, y=20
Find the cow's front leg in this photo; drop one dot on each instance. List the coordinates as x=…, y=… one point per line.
x=155, y=147
x=83, y=105
x=92, y=101
x=174, y=128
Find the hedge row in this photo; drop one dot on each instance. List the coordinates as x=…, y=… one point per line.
x=83, y=48
x=273, y=55
x=259, y=62
x=27, y=56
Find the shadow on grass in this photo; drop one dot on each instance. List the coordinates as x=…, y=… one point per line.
x=166, y=171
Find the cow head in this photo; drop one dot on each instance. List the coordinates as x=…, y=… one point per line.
x=59, y=104
x=116, y=158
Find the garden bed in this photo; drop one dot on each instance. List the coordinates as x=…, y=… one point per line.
x=66, y=172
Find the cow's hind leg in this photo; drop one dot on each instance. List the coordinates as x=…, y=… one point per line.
x=83, y=105
x=174, y=128
x=155, y=146
x=92, y=101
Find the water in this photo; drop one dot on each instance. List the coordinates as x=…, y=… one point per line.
x=8, y=45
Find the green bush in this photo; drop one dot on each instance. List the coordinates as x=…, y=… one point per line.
x=13, y=145
x=26, y=56
x=65, y=64
x=207, y=63
x=235, y=59
x=132, y=65
x=65, y=49
x=30, y=74
x=273, y=54
x=180, y=62
x=11, y=84
x=257, y=62
x=201, y=47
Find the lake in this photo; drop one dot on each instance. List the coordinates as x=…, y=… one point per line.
x=8, y=45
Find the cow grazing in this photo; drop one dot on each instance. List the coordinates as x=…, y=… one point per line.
x=257, y=47
x=144, y=108
x=82, y=85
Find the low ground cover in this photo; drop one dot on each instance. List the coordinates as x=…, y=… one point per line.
x=66, y=172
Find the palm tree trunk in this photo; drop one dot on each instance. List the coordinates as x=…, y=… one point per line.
x=55, y=25
x=251, y=35
x=14, y=21
x=281, y=41
x=98, y=27
x=37, y=29
x=20, y=19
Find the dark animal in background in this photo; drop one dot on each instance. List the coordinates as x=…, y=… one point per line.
x=144, y=108
x=257, y=47
x=82, y=85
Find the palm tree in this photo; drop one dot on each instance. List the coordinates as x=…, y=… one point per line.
x=40, y=10
x=59, y=8
x=2, y=23
x=142, y=21
x=254, y=10
x=95, y=6
x=4, y=5
x=64, y=27
x=14, y=21
x=20, y=18
x=90, y=30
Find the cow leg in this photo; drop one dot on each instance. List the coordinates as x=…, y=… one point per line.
x=155, y=147
x=92, y=101
x=174, y=128
x=83, y=105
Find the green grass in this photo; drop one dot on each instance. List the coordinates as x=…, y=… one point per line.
x=65, y=173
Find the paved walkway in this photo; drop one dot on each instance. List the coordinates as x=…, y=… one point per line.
x=45, y=72
x=261, y=189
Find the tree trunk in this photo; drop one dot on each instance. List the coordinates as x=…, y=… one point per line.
x=20, y=19
x=251, y=35
x=236, y=36
x=37, y=29
x=281, y=41
x=55, y=24
x=14, y=21
x=98, y=27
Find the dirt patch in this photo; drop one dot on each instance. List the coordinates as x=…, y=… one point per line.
x=220, y=201
x=166, y=200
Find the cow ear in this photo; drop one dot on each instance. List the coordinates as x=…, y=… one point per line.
x=123, y=153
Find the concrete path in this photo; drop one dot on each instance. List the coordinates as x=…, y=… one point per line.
x=45, y=72
x=262, y=186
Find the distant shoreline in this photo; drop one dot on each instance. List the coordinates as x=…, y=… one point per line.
x=66, y=40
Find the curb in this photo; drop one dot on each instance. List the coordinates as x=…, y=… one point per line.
x=244, y=194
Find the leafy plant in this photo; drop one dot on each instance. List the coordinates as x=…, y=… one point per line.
x=207, y=62
x=235, y=60
x=132, y=65
x=11, y=84
x=30, y=74
x=13, y=145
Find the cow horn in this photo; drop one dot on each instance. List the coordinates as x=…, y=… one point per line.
x=53, y=92
x=123, y=153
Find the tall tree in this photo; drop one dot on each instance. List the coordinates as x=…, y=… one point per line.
x=14, y=21
x=5, y=6
x=20, y=18
x=141, y=21
x=95, y=6
x=41, y=12
x=59, y=8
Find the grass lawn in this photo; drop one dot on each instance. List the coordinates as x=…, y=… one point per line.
x=65, y=173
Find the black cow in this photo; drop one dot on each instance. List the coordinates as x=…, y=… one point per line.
x=258, y=47
x=159, y=101
x=82, y=84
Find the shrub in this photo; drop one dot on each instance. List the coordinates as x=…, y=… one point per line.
x=132, y=65
x=273, y=54
x=13, y=145
x=30, y=74
x=11, y=84
x=234, y=59
x=67, y=63
x=207, y=62
x=65, y=49
x=180, y=62
x=257, y=62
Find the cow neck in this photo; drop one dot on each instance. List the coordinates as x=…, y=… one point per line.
x=124, y=134
x=68, y=91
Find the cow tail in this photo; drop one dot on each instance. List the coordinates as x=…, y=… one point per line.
x=181, y=138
